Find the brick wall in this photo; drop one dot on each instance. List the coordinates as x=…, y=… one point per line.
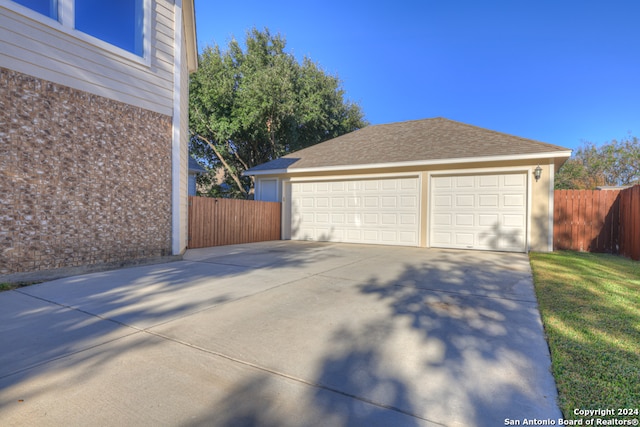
x=84, y=180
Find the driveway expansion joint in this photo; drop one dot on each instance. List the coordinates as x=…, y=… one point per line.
x=291, y=377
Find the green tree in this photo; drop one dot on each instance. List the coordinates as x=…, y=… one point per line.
x=247, y=107
x=610, y=164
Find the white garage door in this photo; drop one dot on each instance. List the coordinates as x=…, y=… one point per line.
x=479, y=212
x=379, y=211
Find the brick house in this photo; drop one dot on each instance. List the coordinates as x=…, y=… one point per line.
x=93, y=133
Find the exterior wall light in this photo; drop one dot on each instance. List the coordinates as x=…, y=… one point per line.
x=537, y=172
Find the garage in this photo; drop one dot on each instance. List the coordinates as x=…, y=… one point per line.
x=377, y=211
x=485, y=212
x=428, y=183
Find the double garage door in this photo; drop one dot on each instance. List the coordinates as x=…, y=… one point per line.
x=379, y=211
x=486, y=212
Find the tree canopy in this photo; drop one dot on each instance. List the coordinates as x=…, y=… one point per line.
x=615, y=163
x=249, y=106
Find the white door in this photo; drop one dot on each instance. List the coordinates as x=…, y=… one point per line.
x=379, y=211
x=479, y=212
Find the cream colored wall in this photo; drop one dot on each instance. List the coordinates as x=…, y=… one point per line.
x=541, y=199
x=540, y=207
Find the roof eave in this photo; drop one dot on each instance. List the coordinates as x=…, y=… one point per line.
x=533, y=156
x=189, y=14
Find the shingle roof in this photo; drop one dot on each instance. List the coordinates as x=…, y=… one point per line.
x=194, y=166
x=411, y=141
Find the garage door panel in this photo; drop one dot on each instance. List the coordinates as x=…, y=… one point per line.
x=442, y=219
x=389, y=219
x=407, y=237
x=464, y=220
x=514, y=200
x=371, y=202
x=338, y=186
x=338, y=218
x=488, y=181
x=383, y=211
x=442, y=182
x=409, y=219
x=353, y=235
x=443, y=201
x=441, y=238
x=388, y=236
x=370, y=219
x=515, y=221
x=465, y=201
x=515, y=180
x=338, y=202
x=408, y=201
x=464, y=239
x=322, y=202
x=389, y=202
x=487, y=220
x=464, y=182
x=322, y=218
x=489, y=200
x=479, y=211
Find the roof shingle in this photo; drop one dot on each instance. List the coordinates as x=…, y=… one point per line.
x=411, y=141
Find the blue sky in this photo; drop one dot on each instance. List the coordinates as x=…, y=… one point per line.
x=557, y=71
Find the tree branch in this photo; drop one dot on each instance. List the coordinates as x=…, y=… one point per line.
x=231, y=172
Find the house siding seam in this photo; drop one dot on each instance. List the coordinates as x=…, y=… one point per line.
x=84, y=180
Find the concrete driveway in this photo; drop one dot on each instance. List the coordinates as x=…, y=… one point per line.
x=281, y=334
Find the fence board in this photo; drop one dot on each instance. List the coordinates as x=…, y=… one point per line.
x=217, y=222
x=630, y=223
x=598, y=221
x=585, y=220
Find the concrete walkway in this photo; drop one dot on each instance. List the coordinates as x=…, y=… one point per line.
x=281, y=334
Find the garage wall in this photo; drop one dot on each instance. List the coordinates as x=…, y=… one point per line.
x=541, y=233
x=541, y=209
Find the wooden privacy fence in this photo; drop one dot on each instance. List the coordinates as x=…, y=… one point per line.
x=630, y=222
x=217, y=222
x=598, y=221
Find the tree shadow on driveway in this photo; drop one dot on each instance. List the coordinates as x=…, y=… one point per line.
x=440, y=342
x=447, y=338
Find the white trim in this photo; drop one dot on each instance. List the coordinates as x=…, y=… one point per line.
x=66, y=23
x=175, y=143
x=557, y=154
x=67, y=14
x=354, y=177
x=530, y=181
x=551, y=205
x=479, y=171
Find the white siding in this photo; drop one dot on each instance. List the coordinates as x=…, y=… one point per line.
x=58, y=54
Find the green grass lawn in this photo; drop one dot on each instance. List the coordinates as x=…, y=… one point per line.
x=590, y=307
x=11, y=286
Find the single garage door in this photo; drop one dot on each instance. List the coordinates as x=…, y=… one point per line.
x=378, y=211
x=479, y=212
